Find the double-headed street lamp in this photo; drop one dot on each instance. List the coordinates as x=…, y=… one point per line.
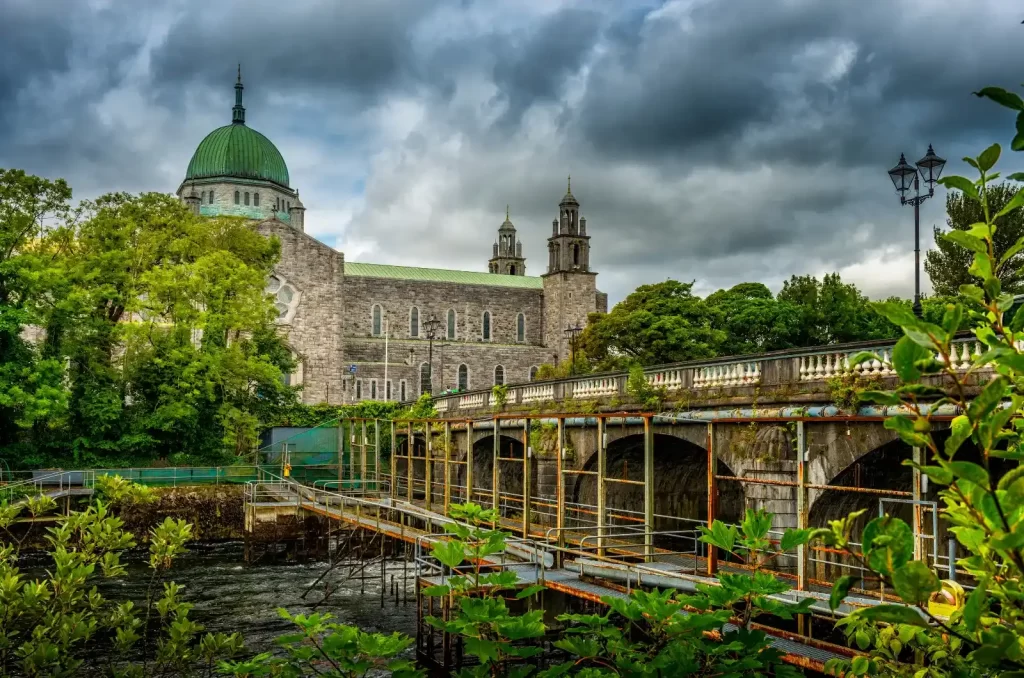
x=571, y=333
x=431, y=328
x=904, y=175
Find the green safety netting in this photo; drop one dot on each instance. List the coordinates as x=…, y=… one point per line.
x=313, y=454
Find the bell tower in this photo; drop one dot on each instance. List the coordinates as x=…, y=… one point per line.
x=570, y=287
x=508, y=251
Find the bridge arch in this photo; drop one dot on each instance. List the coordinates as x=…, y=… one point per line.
x=510, y=479
x=680, y=484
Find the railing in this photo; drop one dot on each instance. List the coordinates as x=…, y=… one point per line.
x=780, y=368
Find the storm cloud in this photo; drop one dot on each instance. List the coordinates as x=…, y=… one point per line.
x=711, y=140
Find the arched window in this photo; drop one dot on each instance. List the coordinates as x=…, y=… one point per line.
x=256, y=199
x=277, y=204
x=289, y=204
x=237, y=196
x=376, y=320
x=486, y=332
x=387, y=390
x=359, y=389
x=463, y=378
x=499, y=375
x=533, y=373
x=512, y=269
x=451, y=323
x=576, y=255
x=520, y=328
x=414, y=322
x=373, y=389
x=401, y=391
x=424, y=378
x=247, y=198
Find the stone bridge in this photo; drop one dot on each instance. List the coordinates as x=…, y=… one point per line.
x=777, y=431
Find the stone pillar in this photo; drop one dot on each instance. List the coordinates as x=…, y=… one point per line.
x=297, y=216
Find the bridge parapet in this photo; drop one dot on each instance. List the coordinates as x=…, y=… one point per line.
x=796, y=375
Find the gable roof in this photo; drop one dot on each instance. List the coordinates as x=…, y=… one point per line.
x=442, y=275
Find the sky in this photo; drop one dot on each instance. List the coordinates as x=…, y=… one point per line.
x=715, y=141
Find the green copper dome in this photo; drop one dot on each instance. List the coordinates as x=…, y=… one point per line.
x=238, y=151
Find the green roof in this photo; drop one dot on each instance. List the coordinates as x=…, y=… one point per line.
x=236, y=150
x=441, y=275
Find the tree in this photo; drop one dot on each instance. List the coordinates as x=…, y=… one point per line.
x=659, y=323
x=948, y=266
x=831, y=311
x=753, y=320
x=30, y=388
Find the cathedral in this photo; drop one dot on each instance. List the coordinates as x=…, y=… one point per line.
x=363, y=331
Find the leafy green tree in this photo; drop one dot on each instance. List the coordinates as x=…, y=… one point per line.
x=659, y=323
x=754, y=321
x=30, y=388
x=948, y=265
x=831, y=312
x=162, y=319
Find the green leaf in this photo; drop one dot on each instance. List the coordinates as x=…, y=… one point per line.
x=1010, y=541
x=988, y=399
x=969, y=471
x=1015, y=203
x=960, y=430
x=904, y=355
x=1016, y=176
x=915, y=582
x=960, y=183
x=451, y=553
x=1017, y=143
x=484, y=650
x=530, y=591
x=988, y=158
x=880, y=397
x=1001, y=97
x=840, y=589
x=975, y=605
x=967, y=241
x=888, y=543
x=892, y=614
x=795, y=537
x=904, y=426
x=440, y=590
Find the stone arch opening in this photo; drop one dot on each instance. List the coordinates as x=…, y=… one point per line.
x=680, y=487
x=882, y=469
x=510, y=480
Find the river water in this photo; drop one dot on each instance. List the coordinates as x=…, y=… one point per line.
x=230, y=595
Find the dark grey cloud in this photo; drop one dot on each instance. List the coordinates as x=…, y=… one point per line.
x=716, y=140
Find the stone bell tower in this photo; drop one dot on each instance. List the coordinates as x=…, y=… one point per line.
x=508, y=251
x=570, y=287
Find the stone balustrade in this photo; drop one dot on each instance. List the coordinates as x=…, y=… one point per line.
x=721, y=378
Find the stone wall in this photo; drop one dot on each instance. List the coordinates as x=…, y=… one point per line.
x=367, y=354
x=313, y=331
x=568, y=299
x=398, y=297
x=224, y=198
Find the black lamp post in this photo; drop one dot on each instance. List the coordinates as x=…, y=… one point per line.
x=903, y=176
x=431, y=327
x=571, y=333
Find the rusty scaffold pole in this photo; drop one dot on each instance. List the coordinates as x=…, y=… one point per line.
x=648, y=490
x=469, y=462
x=408, y=460
x=362, y=455
x=527, y=454
x=428, y=464
x=602, y=471
x=341, y=452
x=712, y=496
x=560, y=490
x=447, y=467
x=376, y=455
x=496, y=473
x=802, y=516
x=394, y=460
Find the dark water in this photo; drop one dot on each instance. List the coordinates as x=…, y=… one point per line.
x=230, y=595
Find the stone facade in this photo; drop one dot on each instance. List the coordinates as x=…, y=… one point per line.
x=274, y=201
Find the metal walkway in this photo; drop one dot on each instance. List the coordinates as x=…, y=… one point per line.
x=534, y=560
